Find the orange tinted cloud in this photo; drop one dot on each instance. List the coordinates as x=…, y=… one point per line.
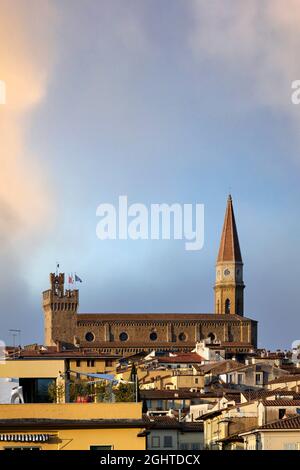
x=26, y=57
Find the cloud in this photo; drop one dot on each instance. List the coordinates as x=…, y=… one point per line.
x=27, y=52
x=254, y=41
x=26, y=57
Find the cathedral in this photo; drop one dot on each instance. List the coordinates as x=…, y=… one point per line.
x=130, y=333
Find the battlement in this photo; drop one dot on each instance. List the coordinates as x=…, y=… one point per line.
x=57, y=298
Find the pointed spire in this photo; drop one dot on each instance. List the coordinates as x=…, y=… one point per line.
x=229, y=247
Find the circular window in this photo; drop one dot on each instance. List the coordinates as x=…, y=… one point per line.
x=90, y=336
x=153, y=336
x=182, y=337
x=123, y=336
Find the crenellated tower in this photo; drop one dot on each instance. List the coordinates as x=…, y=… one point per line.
x=60, y=309
x=229, y=285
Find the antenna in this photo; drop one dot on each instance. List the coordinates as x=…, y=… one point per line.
x=14, y=334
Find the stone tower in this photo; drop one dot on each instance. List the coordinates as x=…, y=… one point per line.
x=60, y=310
x=229, y=286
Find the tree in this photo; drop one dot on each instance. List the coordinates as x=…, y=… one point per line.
x=56, y=391
x=124, y=392
x=103, y=392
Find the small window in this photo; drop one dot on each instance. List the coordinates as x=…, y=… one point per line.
x=77, y=363
x=227, y=306
x=90, y=363
x=168, y=441
x=89, y=336
x=153, y=336
x=196, y=380
x=258, y=378
x=182, y=336
x=282, y=412
x=108, y=363
x=155, y=441
x=123, y=336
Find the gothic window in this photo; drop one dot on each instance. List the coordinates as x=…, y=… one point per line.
x=153, y=336
x=89, y=336
x=227, y=306
x=123, y=336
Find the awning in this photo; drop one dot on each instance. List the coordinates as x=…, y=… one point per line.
x=109, y=377
x=25, y=437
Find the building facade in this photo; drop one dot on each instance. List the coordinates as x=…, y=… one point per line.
x=124, y=334
x=72, y=426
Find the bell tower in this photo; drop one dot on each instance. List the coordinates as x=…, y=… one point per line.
x=60, y=311
x=229, y=285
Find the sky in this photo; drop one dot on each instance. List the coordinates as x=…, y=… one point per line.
x=176, y=101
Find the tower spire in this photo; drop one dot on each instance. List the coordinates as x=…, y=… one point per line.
x=229, y=286
x=229, y=246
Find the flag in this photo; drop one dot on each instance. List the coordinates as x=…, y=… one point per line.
x=71, y=279
x=77, y=278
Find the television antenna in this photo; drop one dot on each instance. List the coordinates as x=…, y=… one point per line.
x=15, y=333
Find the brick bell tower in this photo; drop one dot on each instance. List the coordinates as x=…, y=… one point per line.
x=229, y=285
x=60, y=310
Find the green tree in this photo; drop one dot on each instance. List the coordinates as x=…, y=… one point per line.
x=124, y=392
x=103, y=392
x=56, y=391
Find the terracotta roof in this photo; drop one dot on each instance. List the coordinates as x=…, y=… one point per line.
x=157, y=422
x=78, y=423
x=285, y=378
x=281, y=402
x=69, y=354
x=287, y=423
x=157, y=317
x=229, y=247
x=220, y=367
x=182, y=358
x=291, y=369
x=169, y=394
x=263, y=393
x=171, y=422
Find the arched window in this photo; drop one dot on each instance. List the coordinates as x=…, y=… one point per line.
x=227, y=306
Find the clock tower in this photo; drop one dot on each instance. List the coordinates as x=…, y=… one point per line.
x=229, y=285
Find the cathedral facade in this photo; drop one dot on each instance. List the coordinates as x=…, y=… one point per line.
x=125, y=334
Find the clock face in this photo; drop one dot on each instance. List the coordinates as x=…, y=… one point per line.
x=226, y=272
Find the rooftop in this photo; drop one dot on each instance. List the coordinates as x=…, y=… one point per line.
x=292, y=422
x=285, y=378
x=158, y=317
